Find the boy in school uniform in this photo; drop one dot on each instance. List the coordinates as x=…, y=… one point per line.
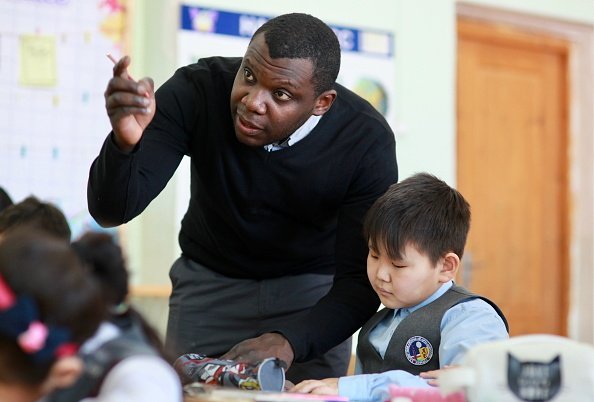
x=416, y=235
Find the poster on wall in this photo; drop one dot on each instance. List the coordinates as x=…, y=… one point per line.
x=53, y=72
x=367, y=65
x=367, y=60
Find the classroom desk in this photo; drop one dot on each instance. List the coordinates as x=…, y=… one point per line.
x=281, y=397
x=210, y=393
x=201, y=393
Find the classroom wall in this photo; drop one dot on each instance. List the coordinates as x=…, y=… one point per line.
x=424, y=76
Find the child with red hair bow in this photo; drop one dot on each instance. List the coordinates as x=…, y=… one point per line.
x=49, y=305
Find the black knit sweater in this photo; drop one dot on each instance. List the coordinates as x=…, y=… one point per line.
x=258, y=214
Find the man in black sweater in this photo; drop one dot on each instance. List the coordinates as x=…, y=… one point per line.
x=284, y=164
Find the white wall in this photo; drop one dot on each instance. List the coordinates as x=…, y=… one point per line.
x=581, y=11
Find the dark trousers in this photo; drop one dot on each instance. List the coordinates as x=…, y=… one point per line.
x=209, y=313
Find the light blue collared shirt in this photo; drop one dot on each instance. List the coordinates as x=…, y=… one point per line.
x=462, y=326
x=297, y=136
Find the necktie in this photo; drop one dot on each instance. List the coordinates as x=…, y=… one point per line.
x=284, y=143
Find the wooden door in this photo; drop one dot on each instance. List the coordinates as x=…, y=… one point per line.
x=512, y=91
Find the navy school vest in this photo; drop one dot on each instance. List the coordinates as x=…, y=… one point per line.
x=414, y=346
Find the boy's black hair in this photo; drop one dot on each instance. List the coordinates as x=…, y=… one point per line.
x=422, y=211
x=303, y=36
x=35, y=214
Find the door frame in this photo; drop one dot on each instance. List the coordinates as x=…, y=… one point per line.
x=580, y=319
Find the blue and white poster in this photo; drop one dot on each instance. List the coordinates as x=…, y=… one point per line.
x=367, y=65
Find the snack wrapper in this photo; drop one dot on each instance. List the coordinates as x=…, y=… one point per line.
x=266, y=375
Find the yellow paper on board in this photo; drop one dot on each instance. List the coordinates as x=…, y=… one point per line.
x=37, y=66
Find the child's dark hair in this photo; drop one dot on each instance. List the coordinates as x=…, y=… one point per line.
x=303, y=36
x=422, y=211
x=44, y=273
x=5, y=200
x=106, y=262
x=35, y=214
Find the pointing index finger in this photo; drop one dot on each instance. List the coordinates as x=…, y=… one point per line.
x=115, y=62
x=120, y=71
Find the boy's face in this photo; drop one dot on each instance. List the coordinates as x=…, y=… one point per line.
x=408, y=281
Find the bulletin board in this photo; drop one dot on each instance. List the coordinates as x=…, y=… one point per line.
x=53, y=72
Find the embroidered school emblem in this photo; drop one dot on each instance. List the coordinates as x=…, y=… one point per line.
x=418, y=350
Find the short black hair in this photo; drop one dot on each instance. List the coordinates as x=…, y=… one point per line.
x=106, y=262
x=103, y=256
x=303, y=36
x=422, y=211
x=34, y=213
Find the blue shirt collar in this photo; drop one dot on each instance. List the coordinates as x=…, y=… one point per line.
x=297, y=136
x=438, y=293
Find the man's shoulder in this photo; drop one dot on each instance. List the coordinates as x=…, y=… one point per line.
x=220, y=63
x=349, y=97
x=212, y=67
x=352, y=106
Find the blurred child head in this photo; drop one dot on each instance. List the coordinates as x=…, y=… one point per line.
x=106, y=262
x=35, y=214
x=48, y=306
x=416, y=233
x=5, y=200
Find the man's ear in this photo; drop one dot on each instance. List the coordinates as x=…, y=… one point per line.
x=63, y=373
x=323, y=102
x=449, y=267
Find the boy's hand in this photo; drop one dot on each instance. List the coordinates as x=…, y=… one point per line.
x=288, y=385
x=432, y=376
x=327, y=386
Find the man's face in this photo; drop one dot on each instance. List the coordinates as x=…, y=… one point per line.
x=271, y=98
